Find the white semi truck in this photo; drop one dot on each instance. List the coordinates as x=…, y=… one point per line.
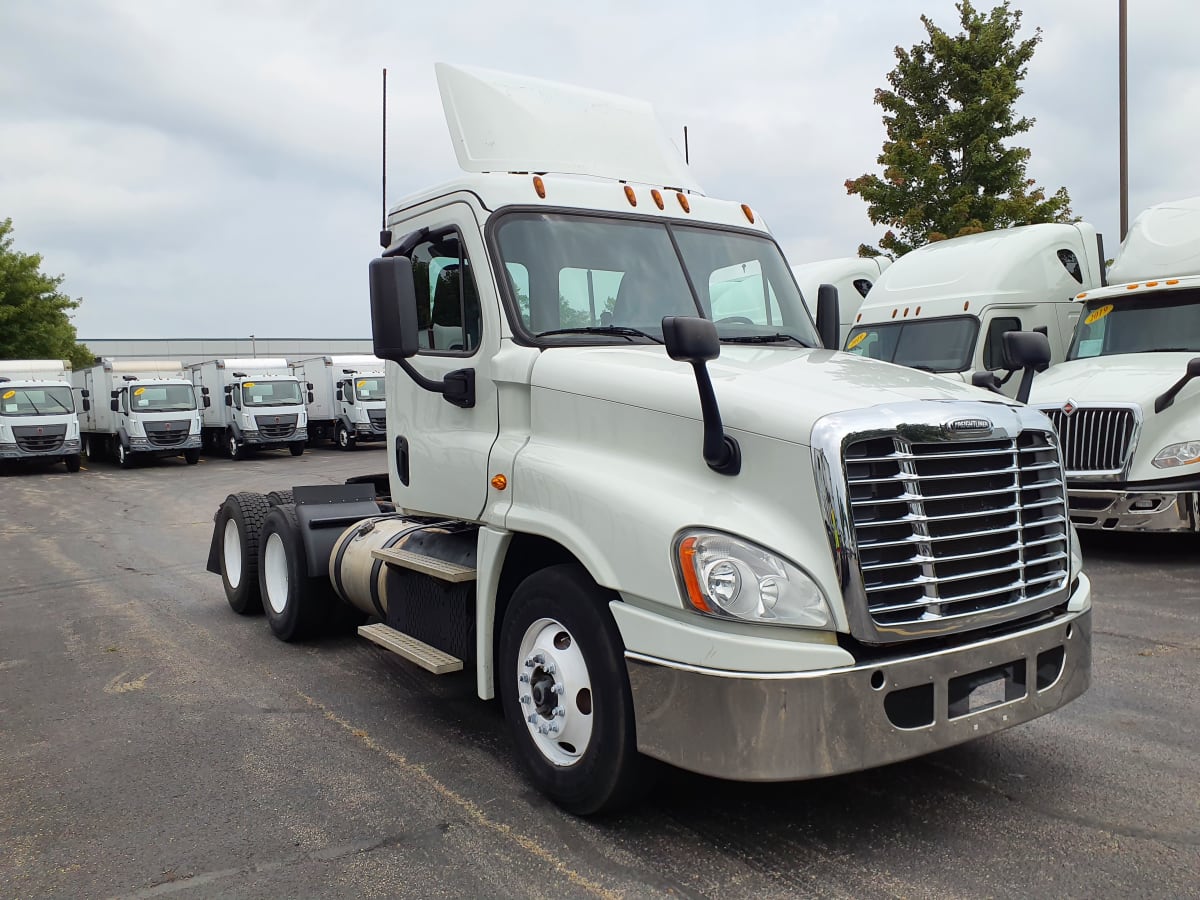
x=144, y=409
x=946, y=307
x=37, y=412
x=259, y=405
x=347, y=398
x=653, y=535
x=1126, y=402
x=853, y=276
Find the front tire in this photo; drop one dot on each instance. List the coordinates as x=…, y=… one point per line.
x=72, y=462
x=345, y=440
x=237, y=449
x=297, y=605
x=124, y=457
x=565, y=692
x=297, y=448
x=191, y=456
x=239, y=522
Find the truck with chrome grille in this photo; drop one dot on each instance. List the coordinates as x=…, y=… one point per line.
x=1126, y=402
x=656, y=530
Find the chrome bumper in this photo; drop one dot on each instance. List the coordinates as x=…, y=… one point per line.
x=791, y=726
x=1135, y=510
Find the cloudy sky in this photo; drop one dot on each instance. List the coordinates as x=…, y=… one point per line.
x=211, y=168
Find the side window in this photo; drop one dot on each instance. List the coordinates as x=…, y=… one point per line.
x=993, y=347
x=448, y=311
x=518, y=280
x=742, y=294
x=586, y=297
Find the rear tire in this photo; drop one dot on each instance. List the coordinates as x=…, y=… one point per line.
x=297, y=605
x=239, y=522
x=561, y=652
x=279, y=498
x=72, y=462
x=191, y=456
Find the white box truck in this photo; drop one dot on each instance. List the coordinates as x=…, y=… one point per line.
x=142, y=409
x=347, y=398
x=37, y=412
x=717, y=545
x=257, y=404
x=1126, y=403
x=853, y=276
x=946, y=307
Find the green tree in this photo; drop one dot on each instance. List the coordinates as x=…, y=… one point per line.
x=35, y=318
x=949, y=110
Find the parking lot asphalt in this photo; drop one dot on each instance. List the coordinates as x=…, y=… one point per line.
x=153, y=743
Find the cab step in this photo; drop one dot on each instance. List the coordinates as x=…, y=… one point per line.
x=426, y=565
x=429, y=658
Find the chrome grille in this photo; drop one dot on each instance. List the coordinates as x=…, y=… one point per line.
x=956, y=528
x=1094, y=440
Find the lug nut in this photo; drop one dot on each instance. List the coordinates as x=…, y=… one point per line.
x=524, y=678
x=558, y=688
x=550, y=669
x=526, y=699
x=532, y=719
x=559, y=712
x=543, y=729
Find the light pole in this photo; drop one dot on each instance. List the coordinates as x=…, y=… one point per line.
x=254, y=347
x=1123, y=98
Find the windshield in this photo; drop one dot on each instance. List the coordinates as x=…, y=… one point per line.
x=369, y=389
x=35, y=401
x=161, y=397
x=602, y=280
x=271, y=393
x=1138, y=324
x=935, y=345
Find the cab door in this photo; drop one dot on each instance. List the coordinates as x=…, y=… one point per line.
x=439, y=451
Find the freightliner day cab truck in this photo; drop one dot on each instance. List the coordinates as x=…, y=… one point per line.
x=259, y=406
x=347, y=398
x=946, y=307
x=709, y=543
x=37, y=412
x=1126, y=402
x=853, y=276
x=144, y=409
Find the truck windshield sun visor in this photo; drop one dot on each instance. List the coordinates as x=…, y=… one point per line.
x=578, y=278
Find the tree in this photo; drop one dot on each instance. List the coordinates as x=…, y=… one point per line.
x=34, y=317
x=946, y=169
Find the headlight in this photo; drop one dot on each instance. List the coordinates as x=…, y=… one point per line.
x=1076, y=553
x=727, y=577
x=1178, y=455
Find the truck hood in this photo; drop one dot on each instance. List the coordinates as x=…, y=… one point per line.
x=1126, y=378
x=776, y=391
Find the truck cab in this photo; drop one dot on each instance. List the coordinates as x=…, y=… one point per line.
x=650, y=528
x=347, y=398
x=259, y=405
x=945, y=307
x=1126, y=403
x=38, y=420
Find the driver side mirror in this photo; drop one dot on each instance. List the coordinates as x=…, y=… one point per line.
x=393, y=308
x=1029, y=351
x=114, y=405
x=87, y=405
x=310, y=397
x=229, y=399
x=207, y=401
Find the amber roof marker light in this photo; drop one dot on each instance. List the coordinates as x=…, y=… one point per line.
x=630, y=196
x=539, y=186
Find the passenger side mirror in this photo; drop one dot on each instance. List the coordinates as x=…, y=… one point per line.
x=87, y=404
x=1168, y=396
x=1029, y=351
x=829, y=324
x=694, y=340
x=690, y=339
x=310, y=397
x=393, y=308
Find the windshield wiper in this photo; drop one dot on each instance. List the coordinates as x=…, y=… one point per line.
x=619, y=330
x=1170, y=350
x=776, y=338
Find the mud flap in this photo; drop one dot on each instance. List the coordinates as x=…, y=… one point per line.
x=324, y=511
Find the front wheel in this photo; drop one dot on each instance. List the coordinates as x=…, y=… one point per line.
x=237, y=449
x=565, y=692
x=297, y=448
x=72, y=462
x=191, y=456
x=345, y=440
x=124, y=457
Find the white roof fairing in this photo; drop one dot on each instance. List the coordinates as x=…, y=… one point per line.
x=509, y=123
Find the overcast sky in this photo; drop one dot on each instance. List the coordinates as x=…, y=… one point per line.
x=211, y=169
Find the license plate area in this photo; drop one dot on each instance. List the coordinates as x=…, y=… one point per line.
x=986, y=688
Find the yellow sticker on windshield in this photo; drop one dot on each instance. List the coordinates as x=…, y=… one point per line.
x=248, y=384
x=139, y=392
x=1097, y=314
x=856, y=340
x=8, y=395
x=361, y=384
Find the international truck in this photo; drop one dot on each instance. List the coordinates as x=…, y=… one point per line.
x=144, y=409
x=853, y=276
x=946, y=307
x=259, y=405
x=347, y=398
x=1126, y=402
x=656, y=537
x=37, y=412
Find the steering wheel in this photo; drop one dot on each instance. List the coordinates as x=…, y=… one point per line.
x=735, y=320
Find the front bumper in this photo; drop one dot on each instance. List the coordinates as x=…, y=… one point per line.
x=1135, y=510
x=791, y=726
x=145, y=445
x=269, y=442
x=14, y=451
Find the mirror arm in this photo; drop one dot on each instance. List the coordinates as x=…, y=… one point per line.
x=1165, y=399
x=458, y=387
x=720, y=451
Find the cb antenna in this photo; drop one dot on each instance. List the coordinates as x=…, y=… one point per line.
x=686, y=160
x=385, y=235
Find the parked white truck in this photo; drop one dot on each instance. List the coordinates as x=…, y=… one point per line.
x=946, y=307
x=37, y=412
x=1126, y=402
x=144, y=409
x=259, y=405
x=712, y=544
x=346, y=398
x=853, y=276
